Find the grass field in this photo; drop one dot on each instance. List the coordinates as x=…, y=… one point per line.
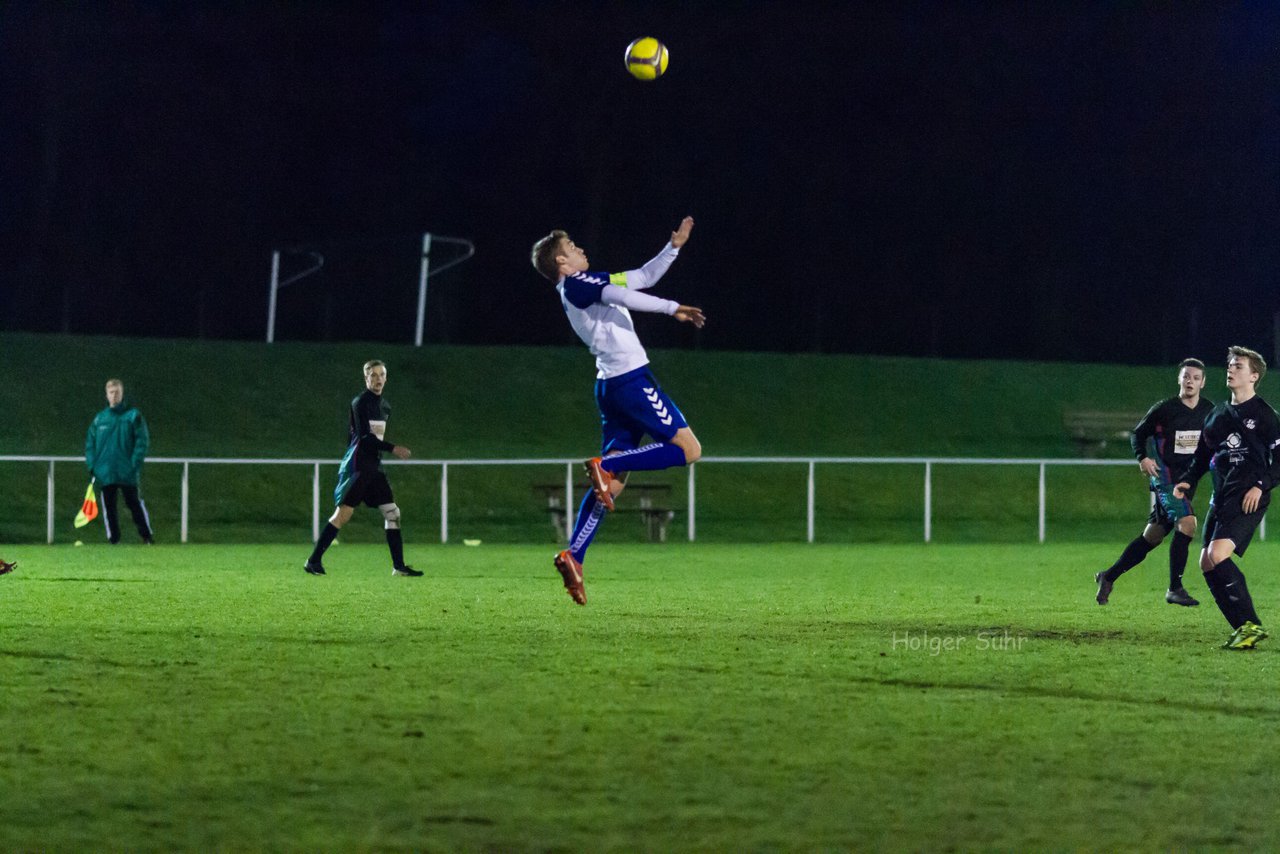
x=709, y=697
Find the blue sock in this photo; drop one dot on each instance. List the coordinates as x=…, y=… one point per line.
x=659, y=455
x=590, y=515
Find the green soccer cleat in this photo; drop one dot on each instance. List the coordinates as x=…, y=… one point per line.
x=1246, y=637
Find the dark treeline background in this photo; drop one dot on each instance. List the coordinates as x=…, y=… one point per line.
x=1066, y=181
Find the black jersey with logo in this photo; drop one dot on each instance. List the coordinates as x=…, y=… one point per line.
x=1169, y=434
x=365, y=429
x=1239, y=445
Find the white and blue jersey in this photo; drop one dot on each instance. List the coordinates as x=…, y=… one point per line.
x=631, y=401
x=597, y=307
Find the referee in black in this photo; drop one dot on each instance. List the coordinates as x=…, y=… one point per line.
x=1240, y=439
x=1164, y=442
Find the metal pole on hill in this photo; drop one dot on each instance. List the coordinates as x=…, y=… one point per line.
x=425, y=272
x=317, y=261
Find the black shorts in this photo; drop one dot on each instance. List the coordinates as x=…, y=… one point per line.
x=370, y=488
x=1234, y=525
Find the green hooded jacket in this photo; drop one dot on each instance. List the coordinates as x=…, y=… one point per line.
x=116, y=445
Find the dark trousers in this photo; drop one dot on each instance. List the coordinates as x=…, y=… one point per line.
x=135, y=505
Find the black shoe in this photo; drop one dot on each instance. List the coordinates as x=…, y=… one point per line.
x=406, y=570
x=314, y=567
x=1104, y=587
x=1180, y=596
x=147, y=541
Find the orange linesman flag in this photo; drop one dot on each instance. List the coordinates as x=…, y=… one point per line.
x=89, y=509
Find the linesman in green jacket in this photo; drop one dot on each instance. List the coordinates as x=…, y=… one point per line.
x=114, y=449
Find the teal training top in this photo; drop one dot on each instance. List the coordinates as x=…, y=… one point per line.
x=116, y=445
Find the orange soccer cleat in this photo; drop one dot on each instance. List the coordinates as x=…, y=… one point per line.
x=571, y=571
x=600, y=480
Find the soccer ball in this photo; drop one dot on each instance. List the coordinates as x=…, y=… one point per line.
x=646, y=58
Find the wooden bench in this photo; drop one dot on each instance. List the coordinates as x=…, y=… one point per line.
x=1092, y=429
x=652, y=502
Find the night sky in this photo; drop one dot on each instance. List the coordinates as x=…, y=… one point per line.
x=1060, y=181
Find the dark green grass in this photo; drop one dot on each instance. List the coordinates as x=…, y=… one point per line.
x=709, y=697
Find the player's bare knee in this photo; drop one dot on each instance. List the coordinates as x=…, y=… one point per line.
x=390, y=515
x=1187, y=526
x=691, y=446
x=341, y=515
x=1153, y=534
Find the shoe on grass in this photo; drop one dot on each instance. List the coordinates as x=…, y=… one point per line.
x=571, y=571
x=7, y=567
x=1180, y=597
x=1246, y=637
x=313, y=567
x=1104, y=587
x=406, y=570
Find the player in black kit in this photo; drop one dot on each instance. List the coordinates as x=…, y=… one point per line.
x=1164, y=442
x=1238, y=443
x=360, y=476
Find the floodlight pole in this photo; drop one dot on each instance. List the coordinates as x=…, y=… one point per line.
x=425, y=272
x=317, y=262
x=271, y=302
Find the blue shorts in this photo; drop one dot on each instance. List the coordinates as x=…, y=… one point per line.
x=631, y=405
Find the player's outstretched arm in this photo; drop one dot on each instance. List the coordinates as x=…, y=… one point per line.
x=680, y=236
x=401, y=452
x=690, y=314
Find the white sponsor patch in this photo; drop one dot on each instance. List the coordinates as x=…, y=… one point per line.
x=1185, y=441
x=379, y=428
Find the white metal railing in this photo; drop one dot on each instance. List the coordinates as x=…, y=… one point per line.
x=571, y=467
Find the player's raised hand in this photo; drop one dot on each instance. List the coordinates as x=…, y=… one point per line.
x=690, y=314
x=681, y=235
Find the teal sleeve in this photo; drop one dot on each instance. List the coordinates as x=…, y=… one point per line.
x=141, y=442
x=90, y=451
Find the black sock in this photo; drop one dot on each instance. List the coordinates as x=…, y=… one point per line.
x=1239, y=590
x=1133, y=554
x=396, y=544
x=1178, y=548
x=1217, y=579
x=327, y=536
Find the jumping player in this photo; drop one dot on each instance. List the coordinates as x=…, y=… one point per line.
x=1164, y=442
x=631, y=402
x=360, y=476
x=1238, y=443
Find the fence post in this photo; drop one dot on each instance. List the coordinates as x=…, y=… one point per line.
x=809, y=508
x=49, y=507
x=186, y=500
x=1042, y=467
x=692, y=502
x=444, y=502
x=569, y=519
x=315, y=504
x=928, y=501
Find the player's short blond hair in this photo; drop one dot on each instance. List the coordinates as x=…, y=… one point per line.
x=112, y=381
x=1256, y=362
x=545, y=252
x=373, y=363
